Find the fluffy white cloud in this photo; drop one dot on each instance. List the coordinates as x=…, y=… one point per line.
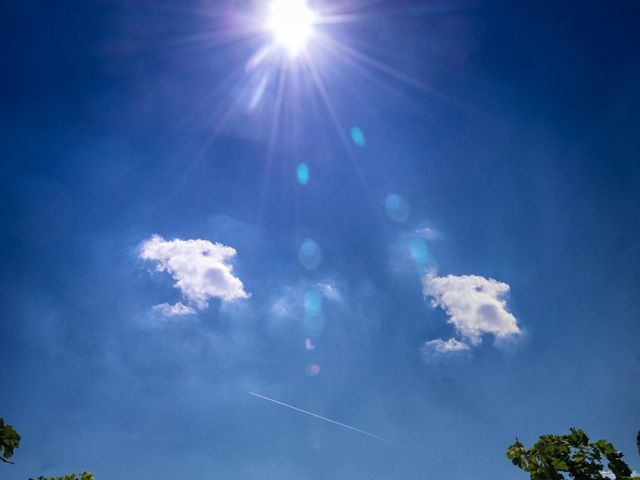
x=474, y=305
x=440, y=346
x=177, y=310
x=201, y=269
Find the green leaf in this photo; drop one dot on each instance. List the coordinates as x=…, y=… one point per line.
x=73, y=476
x=9, y=441
x=558, y=457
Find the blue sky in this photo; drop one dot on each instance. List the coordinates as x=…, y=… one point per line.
x=460, y=268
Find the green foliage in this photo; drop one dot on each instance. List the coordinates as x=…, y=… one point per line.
x=73, y=476
x=555, y=456
x=9, y=441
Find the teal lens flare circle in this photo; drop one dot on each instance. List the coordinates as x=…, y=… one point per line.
x=313, y=303
x=309, y=254
x=396, y=207
x=303, y=174
x=419, y=251
x=358, y=137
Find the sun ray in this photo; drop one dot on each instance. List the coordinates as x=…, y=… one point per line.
x=317, y=78
x=275, y=114
x=301, y=53
x=382, y=67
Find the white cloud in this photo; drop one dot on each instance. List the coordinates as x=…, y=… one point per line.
x=474, y=305
x=435, y=352
x=428, y=233
x=201, y=269
x=282, y=306
x=177, y=310
x=330, y=291
x=440, y=346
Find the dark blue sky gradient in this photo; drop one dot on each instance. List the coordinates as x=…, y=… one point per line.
x=524, y=157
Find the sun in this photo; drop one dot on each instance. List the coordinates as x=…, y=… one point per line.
x=291, y=24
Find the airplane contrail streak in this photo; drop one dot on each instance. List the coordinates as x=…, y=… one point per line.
x=335, y=422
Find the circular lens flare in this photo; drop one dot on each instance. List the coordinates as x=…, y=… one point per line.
x=309, y=254
x=303, y=174
x=313, y=370
x=397, y=207
x=291, y=23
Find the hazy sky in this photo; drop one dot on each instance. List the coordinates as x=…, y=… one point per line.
x=424, y=226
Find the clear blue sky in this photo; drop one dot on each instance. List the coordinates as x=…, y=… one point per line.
x=457, y=264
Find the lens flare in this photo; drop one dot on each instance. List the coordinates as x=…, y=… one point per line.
x=303, y=173
x=309, y=254
x=313, y=370
x=313, y=302
x=419, y=250
x=396, y=207
x=358, y=137
x=420, y=253
x=308, y=344
x=291, y=24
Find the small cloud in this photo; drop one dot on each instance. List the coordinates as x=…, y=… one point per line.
x=283, y=306
x=439, y=351
x=440, y=346
x=201, y=269
x=474, y=305
x=177, y=310
x=330, y=292
x=428, y=233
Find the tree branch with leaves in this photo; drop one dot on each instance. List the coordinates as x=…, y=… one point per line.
x=78, y=476
x=9, y=441
x=555, y=456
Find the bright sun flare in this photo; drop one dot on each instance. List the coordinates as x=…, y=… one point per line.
x=291, y=23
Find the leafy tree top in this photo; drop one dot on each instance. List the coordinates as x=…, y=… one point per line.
x=9, y=441
x=79, y=476
x=555, y=456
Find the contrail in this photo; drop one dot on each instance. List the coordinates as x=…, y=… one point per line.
x=335, y=422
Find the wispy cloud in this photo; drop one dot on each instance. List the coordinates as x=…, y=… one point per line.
x=330, y=291
x=434, y=352
x=289, y=303
x=474, y=305
x=177, y=310
x=411, y=252
x=440, y=346
x=428, y=233
x=200, y=268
